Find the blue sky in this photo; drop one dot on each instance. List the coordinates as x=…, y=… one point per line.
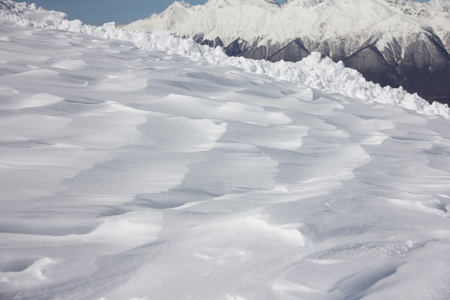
x=97, y=12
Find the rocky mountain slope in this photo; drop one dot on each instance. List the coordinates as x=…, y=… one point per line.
x=391, y=42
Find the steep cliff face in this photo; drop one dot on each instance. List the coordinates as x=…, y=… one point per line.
x=426, y=65
x=391, y=42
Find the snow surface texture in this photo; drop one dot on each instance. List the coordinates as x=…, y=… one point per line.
x=129, y=173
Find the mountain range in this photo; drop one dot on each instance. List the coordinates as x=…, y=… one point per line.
x=391, y=42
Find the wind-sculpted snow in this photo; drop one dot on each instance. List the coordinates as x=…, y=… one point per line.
x=137, y=173
x=314, y=71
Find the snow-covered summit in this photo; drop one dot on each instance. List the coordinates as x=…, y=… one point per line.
x=322, y=19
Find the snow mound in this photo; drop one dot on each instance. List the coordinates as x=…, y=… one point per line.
x=313, y=71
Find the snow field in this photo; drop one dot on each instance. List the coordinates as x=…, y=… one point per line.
x=135, y=174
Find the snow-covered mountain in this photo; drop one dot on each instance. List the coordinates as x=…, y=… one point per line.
x=391, y=42
x=143, y=166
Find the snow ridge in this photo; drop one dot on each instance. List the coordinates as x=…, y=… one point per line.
x=313, y=71
x=269, y=23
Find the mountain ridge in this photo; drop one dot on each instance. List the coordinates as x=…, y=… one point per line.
x=261, y=29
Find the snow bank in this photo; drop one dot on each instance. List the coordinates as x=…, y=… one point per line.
x=313, y=71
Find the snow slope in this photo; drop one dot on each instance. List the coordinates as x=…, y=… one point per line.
x=132, y=172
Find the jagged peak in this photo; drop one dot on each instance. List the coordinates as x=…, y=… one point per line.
x=181, y=3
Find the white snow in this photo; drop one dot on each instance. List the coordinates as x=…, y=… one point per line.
x=143, y=166
x=266, y=22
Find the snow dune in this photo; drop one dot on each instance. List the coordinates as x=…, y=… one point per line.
x=129, y=173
